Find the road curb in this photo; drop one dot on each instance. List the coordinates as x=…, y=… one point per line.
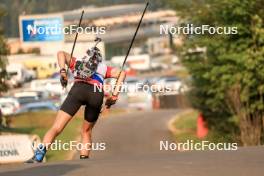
x=173, y=129
x=170, y=125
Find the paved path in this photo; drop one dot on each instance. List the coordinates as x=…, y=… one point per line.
x=132, y=148
x=134, y=134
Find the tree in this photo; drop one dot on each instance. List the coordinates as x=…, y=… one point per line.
x=3, y=60
x=228, y=78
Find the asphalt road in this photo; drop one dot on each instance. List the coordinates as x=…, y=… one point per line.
x=132, y=148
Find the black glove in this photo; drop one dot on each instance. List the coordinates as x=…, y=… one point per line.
x=110, y=101
x=63, y=78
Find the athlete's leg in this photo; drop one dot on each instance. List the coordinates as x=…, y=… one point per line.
x=86, y=137
x=69, y=107
x=59, y=124
x=91, y=114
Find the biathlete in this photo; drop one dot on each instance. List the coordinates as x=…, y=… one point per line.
x=88, y=72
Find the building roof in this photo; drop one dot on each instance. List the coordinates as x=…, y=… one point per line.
x=92, y=12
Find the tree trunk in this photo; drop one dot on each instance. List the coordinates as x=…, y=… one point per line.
x=250, y=129
x=251, y=124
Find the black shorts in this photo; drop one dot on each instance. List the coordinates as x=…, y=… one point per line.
x=84, y=94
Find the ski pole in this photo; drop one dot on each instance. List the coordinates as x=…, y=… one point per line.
x=130, y=46
x=75, y=39
x=135, y=34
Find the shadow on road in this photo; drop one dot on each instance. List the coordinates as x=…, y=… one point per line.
x=44, y=170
